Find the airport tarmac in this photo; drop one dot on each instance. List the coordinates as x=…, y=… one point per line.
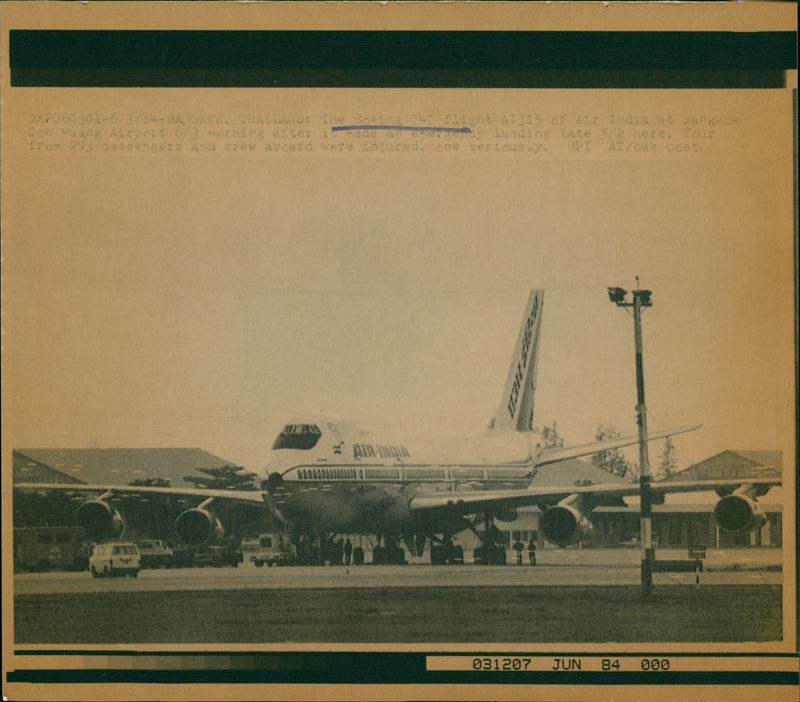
x=555, y=567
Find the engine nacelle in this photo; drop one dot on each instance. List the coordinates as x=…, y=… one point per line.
x=739, y=513
x=100, y=520
x=507, y=515
x=198, y=527
x=564, y=524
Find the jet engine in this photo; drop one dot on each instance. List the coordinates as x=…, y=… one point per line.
x=198, y=526
x=507, y=515
x=99, y=519
x=739, y=512
x=565, y=523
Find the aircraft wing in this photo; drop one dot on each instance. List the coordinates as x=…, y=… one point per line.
x=467, y=502
x=246, y=496
x=552, y=455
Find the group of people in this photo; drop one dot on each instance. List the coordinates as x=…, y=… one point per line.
x=519, y=547
x=336, y=552
x=339, y=551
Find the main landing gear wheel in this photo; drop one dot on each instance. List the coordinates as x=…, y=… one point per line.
x=489, y=555
x=446, y=554
x=388, y=555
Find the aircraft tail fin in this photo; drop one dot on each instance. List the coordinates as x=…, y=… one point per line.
x=515, y=411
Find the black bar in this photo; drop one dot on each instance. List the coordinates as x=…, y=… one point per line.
x=124, y=58
x=133, y=653
x=676, y=566
x=395, y=674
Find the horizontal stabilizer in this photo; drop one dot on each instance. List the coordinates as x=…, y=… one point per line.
x=551, y=455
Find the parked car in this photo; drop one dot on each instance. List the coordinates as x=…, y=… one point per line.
x=218, y=556
x=155, y=554
x=108, y=560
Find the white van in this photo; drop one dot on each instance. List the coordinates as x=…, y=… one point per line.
x=108, y=560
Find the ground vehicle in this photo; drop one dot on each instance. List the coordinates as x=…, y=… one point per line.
x=51, y=548
x=218, y=555
x=272, y=551
x=112, y=559
x=155, y=554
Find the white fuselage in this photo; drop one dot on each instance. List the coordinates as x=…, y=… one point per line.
x=352, y=481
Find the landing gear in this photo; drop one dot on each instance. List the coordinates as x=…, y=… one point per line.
x=490, y=554
x=457, y=555
x=491, y=551
x=388, y=554
x=442, y=555
x=438, y=554
x=446, y=553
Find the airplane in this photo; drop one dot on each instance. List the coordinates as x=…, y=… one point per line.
x=327, y=477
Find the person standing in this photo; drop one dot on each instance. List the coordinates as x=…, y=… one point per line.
x=348, y=550
x=532, y=552
x=518, y=547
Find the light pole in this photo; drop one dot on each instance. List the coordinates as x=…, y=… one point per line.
x=641, y=298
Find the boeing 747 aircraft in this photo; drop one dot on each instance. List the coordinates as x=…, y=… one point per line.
x=327, y=477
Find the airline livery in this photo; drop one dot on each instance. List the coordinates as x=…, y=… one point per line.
x=327, y=477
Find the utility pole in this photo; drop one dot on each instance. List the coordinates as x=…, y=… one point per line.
x=641, y=298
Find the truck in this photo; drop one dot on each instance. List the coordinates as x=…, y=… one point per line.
x=155, y=554
x=272, y=550
x=51, y=548
x=228, y=553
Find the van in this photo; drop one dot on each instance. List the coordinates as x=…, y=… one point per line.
x=108, y=560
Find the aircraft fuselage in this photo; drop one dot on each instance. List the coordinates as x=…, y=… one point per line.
x=362, y=484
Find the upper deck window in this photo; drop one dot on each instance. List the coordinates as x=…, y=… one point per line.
x=298, y=436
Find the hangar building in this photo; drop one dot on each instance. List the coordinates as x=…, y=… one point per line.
x=111, y=465
x=151, y=516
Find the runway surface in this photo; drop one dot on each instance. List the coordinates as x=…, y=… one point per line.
x=573, y=595
x=556, y=567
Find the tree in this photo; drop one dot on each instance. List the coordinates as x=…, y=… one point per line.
x=612, y=460
x=551, y=438
x=223, y=478
x=668, y=463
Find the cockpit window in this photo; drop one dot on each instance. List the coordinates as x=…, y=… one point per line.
x=298, y=436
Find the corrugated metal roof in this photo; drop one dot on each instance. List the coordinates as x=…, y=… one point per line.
x=572, y=472
x=733, y=464
x=113, y=465
x=773, y=459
